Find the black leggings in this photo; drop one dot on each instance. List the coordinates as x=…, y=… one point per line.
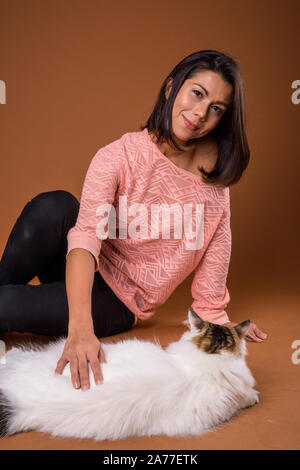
x=37, y=246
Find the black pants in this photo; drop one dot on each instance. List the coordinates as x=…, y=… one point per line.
x=37, y=246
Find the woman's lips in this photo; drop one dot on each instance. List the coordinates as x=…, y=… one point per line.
x=189, y=124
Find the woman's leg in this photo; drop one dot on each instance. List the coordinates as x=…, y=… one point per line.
x=110, y=315
x=43, y=309
x=38, y=239
x=37, y=246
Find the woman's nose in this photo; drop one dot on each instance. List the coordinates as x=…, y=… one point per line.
x=201, y=113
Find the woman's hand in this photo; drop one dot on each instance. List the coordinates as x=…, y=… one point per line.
x=252, y=334
x=79, y=349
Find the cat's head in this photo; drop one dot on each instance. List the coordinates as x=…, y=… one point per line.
x=213, y=338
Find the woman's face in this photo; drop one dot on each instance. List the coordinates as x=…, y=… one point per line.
x=203, y=101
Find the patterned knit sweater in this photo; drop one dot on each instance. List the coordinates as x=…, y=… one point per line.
x=149, y=224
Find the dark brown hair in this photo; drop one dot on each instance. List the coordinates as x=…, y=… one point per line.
x=229, y=134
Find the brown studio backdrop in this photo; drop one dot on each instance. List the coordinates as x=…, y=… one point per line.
x=81, y=73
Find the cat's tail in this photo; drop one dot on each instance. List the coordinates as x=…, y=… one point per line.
x=6, y=413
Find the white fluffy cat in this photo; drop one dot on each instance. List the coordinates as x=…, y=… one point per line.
x=190, y=387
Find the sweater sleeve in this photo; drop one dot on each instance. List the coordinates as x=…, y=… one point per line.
x=209, y=289
x=99, y=187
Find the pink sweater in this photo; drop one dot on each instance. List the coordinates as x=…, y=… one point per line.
x=141, y=259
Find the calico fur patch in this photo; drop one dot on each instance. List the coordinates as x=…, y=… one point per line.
x=5, y=413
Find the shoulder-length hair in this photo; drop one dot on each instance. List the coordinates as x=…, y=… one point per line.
x=229, y=134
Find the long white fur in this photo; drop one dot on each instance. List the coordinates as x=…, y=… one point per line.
x=147, y=390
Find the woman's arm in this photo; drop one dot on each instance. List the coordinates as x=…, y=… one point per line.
x=82, y=345
x=209, y=289
x=79, y=281
x=82, y=260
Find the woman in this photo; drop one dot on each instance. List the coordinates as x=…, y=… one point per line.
x=192, y=148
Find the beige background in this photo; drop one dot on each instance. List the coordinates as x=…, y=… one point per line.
x=80, y=73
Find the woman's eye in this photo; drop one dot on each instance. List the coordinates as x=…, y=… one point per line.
x=197, y=91
x=217, y=109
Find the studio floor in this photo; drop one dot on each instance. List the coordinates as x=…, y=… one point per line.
x=274, y=423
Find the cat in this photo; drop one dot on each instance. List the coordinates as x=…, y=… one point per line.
x=193, y=385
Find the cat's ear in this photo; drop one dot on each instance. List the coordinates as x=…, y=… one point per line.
x=194, y=320
x=242, y=328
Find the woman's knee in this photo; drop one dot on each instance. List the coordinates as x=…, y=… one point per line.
x=56, y=202
x=55, y=206
x=46, y=211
